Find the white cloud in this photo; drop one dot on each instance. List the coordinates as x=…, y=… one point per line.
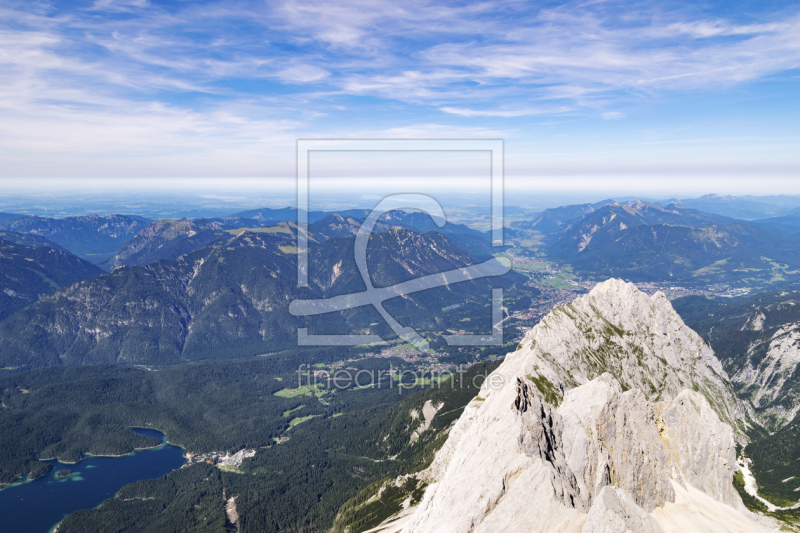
x=120, y=5
x=505, y=113
x=302, y=74
x=196, y=85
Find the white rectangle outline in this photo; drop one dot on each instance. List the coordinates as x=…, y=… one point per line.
x=306, y=146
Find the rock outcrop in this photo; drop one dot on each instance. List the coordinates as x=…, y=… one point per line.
x=602, y=460
x=606, y=419
x=638, y=339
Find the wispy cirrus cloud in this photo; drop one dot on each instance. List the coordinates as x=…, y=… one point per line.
x=448, y=54
x=175, y=76
x=506, y=113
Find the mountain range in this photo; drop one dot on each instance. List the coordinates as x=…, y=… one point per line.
x=617, y=411
x=647, y=242
x=28, y=272
x=788, y=224
x=555, y=219
x=230, y=299
x=29, y=239
x=757, y=340
x=741, y=207
x=169, y=239
x=91, y=237
x=9, y=216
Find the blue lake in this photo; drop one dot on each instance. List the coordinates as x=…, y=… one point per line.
x=39, y=505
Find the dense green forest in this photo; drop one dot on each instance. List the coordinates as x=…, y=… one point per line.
x=188, y=500
x=776, y=464
x=69, y=411
x=302, y=484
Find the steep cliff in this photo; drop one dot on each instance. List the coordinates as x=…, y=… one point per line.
x=611, y=416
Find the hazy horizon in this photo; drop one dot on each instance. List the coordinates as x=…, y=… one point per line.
x=179, y=204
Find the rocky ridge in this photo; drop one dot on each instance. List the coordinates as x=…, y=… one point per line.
x=638, y=339
x=603, y=461
x=611, y=416
x=165, y=239
x=757, y=339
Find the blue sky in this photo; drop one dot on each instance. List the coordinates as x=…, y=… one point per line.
x=640, y=96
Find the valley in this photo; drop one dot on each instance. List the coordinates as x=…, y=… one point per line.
x=190, y=334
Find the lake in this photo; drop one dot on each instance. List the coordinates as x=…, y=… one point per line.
x=39, y=505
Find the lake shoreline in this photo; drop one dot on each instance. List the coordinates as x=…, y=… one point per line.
x=40, y=505
x=164, y=442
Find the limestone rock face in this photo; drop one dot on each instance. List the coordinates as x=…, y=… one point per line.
x=638, y=339
x=514, y=461
x=598, y=423
x=768, y=376
x=614, y=511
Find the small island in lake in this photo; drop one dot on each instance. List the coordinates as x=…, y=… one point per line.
x=64, y=473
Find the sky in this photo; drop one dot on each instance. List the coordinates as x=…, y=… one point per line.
x=644, y=97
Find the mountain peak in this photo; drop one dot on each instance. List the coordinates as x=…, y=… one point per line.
x=623, y=300
x=606, y=418
x=639, y=339
x=615, y=289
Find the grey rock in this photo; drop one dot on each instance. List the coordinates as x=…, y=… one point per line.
x=615, y=511
x=601, y=421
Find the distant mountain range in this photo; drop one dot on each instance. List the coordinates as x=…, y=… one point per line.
x=767, y=211
x=648, y=242
x=556, y=219
x=474, y=242
x=9, y=216
x=168, y=239
x=741, y=207
x=93, y=238
x=788, y=224
x=29, y=239
x=29, y=272
x=230, y=299
x=113, y=241
x=268, y=216
x=609, y=222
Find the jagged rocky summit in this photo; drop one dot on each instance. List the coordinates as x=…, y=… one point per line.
x=612, y=416
x=639, y=339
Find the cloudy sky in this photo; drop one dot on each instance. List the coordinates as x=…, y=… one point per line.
x=646, y=96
